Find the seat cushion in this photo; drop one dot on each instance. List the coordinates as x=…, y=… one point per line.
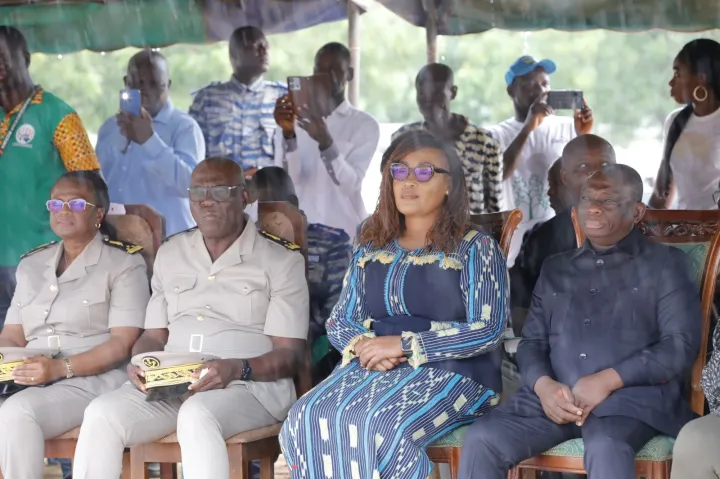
x=242, y=438
x=657, y=449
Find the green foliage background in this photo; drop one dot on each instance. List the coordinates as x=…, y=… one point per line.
x=624, y=76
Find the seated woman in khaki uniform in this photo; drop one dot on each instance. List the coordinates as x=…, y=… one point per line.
x=84, y=298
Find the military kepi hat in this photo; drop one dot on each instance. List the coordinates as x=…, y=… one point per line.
x=12, y=357
x=169, y=374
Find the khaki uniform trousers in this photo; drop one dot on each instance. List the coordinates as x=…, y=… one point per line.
x=34, y=414
x=203, y=422
x=695, y=455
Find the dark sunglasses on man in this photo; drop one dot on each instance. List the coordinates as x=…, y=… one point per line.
x=215, y=193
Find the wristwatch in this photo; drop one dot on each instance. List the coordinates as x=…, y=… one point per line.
x=246, y=372
x=68, y=368
x=406, y=346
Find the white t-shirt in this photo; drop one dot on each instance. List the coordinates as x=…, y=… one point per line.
x=527, y=188
x=695, y=161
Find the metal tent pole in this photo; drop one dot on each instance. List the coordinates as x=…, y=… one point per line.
x=353, y=14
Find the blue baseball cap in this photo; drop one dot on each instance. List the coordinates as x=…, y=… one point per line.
x=525, y=65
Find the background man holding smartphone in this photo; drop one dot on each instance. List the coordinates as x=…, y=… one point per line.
x=532, y=141
x=328, y=156
x=147, y=158
x=241, y=124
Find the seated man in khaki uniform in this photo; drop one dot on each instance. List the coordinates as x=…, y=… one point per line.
x=226, y=290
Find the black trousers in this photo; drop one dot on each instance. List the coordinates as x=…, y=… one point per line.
x=518, y=430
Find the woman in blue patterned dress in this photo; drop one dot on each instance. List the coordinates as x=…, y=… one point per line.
x=419, y=323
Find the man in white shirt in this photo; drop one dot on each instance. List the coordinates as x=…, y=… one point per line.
x=531, y=142
x=327, y=157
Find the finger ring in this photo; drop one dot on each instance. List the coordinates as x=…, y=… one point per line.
x=32, y=380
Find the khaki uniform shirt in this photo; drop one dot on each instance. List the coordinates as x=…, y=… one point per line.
x=231, y=308
x=104, y=288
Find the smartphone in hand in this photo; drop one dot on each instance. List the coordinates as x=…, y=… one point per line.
x=565, y=99
x=130, y=101
x=313, y=91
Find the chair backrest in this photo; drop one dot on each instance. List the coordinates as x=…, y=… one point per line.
x=697, y=234
x=500, y=225
x=284, y=220
x=143, y=226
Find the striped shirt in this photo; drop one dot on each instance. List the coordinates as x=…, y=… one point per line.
x=479, y=153
x=237, y=120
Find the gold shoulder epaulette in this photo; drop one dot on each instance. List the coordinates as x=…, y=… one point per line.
x=179, y=233
x=39, y=248
x=280, y=241
x=129, y=248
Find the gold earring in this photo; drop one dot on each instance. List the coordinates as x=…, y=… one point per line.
x=697, y=97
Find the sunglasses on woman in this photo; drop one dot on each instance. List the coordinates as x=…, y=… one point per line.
x=423, y=172
x=76, y=206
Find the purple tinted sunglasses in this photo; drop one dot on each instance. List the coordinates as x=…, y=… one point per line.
x=423, y=172
x=76, y=206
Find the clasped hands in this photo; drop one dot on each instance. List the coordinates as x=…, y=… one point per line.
x=563, y=405
x=380, y=354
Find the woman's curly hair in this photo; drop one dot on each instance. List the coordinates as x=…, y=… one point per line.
x=387, y=224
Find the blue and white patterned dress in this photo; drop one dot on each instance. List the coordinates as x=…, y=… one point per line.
x=362, y=424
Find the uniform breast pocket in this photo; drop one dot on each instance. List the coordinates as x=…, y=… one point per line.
x=558, y=305
x=178, y=291
x=92, y=306
x=633, y=314
x=253, y=300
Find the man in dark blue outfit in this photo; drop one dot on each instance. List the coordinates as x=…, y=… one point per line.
x=612, y=329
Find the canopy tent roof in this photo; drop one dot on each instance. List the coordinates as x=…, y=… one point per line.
x=68, y=26
x=460, y=17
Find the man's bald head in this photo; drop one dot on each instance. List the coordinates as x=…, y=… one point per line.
x=230, y=171
x=583, y=156
x=625, y=177
x=149, y=57
x=249, y=53
x=148, y=72
x=583, y=145
x=435, y=73
x=435, y=90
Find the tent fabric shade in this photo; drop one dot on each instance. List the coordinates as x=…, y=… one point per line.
x=460, y=17
x=65, y=27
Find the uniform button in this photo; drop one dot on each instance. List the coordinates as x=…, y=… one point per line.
x=211, y=277
x=50, y=330
x=53, y=287
x=46, y=312
x=201, y=317
x=593, y=291
x=635, y=290
x=18, y=304
x=176, y=289
x=554, y=294
x=599, y=262
x=207, y=306
x=583, y=356
x=587, y=321
x=85, y=301
x=245, y=289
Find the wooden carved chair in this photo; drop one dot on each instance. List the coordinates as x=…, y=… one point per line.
x=283, y=220
x=501, y=226
x=697, y=234
x=145, y=227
